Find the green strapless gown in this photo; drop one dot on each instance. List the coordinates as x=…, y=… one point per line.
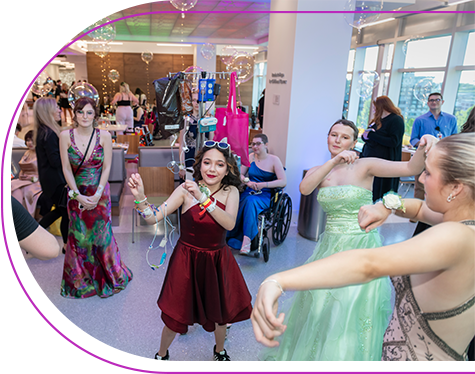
x=341, y=324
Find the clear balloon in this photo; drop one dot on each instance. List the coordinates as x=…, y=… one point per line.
x=208, y=51
x=367, y=81
x=42, y=85
x=105, y=34
x=147, y=56
x=114, y=75
x=243, y=64
x=407, y=41
x=361, y=19
x=193, y=78
x=227, y=54
x=100, y=49
x=424, y=87
x=183, y=4
x=82, y=90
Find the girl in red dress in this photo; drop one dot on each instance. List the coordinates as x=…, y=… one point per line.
x=203, y=283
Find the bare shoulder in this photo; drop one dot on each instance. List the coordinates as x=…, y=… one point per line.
x=64, y=136
x=453, y=235
x=105, y=134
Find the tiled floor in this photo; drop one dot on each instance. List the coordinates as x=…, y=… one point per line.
x=133, y=318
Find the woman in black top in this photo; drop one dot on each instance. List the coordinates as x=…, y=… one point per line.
x=50, y=172
x=124, y=114
x=383, y=139
x=64, y=102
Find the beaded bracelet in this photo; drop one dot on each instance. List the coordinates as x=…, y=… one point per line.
x=273, y=280
x=141, y=201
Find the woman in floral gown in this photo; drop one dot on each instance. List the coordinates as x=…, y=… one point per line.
x=92, y=265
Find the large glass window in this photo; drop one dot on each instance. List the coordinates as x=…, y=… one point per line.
x=415, y=87
x=465, y=96
x=469, y=55
x=349, y=77
x=427, y=53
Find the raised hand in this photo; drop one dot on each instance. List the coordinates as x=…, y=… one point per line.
x=345, y=157
x=193, y=189
x=428, y=141
x=136, y=186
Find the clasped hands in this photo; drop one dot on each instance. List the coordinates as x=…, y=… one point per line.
x=88, y=202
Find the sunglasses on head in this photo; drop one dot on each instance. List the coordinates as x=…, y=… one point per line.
x=220, y=145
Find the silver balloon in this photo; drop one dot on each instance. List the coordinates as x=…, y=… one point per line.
x=147, y=56
x=208, y=51
x=243, y=64
x=113, y=75
x=82, y=90
x=183, y=5
x=361, y=19
x=227, y=54
x=42, y=85
x=105, y=34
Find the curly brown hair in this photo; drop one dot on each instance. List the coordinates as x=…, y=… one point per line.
x=232, y=177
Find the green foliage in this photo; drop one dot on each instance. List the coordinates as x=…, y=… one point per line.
x=462, y=116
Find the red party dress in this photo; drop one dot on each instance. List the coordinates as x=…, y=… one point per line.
x=203, y=283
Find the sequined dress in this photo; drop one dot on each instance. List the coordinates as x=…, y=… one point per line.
x=92, y=263
x=341, y=324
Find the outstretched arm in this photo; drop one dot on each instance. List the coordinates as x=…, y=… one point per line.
x=372, y=216
x=436, y=249
x=378, y=167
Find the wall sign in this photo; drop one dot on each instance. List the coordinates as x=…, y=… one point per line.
x=276, y=78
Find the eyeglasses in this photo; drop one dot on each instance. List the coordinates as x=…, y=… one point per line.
x=256, y=144
x=89, y=112
x=220, y=145
x=434, y=100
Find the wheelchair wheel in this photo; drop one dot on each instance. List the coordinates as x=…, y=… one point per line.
x=266, y=248
x=281, y=221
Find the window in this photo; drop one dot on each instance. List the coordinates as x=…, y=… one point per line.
x=349, y=76
x=427, y=53
x=364, y=106
x=415, y=88
x=465, y=96
x=470, y=56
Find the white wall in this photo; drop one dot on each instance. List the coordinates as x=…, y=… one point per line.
x=311, y=50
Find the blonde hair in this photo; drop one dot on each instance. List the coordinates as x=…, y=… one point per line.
x=457, y=165
x=124, y=87
x=43, y=116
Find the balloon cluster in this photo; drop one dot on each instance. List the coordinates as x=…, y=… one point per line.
x=42, y=85
x=82, y=89
x=367, y=81
x=359, y=19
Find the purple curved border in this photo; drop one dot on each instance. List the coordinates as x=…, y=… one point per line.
x=58, y=328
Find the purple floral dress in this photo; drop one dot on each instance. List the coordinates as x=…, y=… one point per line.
x=92, y=264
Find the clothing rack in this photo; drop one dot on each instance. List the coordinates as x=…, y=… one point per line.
x=202, y=108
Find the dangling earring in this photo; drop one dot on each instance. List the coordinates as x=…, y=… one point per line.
x=450, y=198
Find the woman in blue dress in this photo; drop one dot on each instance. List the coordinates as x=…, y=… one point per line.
x=266, y=172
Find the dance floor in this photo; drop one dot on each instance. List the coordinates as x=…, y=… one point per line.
x=130, y=321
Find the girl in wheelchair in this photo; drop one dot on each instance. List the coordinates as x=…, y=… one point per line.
x=266, y=172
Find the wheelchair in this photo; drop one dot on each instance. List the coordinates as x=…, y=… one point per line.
x=277, y=217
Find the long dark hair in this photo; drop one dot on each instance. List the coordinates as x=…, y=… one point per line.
x=231, y=179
